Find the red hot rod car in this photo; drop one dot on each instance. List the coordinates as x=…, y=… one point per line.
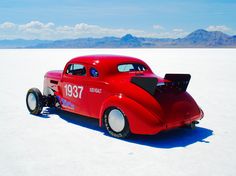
x=121, y=92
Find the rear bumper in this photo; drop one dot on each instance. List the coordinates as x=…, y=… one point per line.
x=185, y=121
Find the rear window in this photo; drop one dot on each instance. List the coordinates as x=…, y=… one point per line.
x=131, y=67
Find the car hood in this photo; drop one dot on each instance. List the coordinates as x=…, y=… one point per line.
x=55, y=74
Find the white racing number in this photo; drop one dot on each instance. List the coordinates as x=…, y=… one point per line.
x=74, y=91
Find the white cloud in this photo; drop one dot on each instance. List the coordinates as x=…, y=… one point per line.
x=158, y=27
x=174, y=33
x=51, y=31
x=221, y=28
x=84, y=29
x=179, y=33
x=7, y=25
x=178, y=30
x=36, y=27
x=39, y=30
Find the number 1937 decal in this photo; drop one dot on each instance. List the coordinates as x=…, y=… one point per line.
x=74, y=91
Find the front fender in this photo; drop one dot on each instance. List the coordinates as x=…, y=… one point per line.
x=141, y=120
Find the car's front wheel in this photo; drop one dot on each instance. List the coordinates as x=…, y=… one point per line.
x=116, y=123
x=34, y=101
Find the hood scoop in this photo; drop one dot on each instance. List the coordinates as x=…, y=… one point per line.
x=146, y=83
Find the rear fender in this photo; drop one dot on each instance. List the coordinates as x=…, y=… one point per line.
x=140, y=119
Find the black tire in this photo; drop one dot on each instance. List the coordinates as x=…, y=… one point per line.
x=34, y=101
x=124, y=131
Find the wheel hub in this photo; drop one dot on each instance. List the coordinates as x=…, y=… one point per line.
x=32, y=101
x=116, y=120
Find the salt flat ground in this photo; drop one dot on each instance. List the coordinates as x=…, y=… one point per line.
x=61, y=143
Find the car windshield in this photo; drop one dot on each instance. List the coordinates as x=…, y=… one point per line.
x=131, y=67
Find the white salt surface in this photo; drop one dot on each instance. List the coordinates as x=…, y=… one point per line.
x=64, y=144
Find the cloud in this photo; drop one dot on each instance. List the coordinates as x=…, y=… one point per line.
x=178, y=30
x=174, y=33
x=39, y=30
x=7, y=25
x=36, y=27
x=83, y=29
x=50, y=31
x=221, y=28
x=158, y=27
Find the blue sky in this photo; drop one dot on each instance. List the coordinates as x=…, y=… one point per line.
x=51, y=19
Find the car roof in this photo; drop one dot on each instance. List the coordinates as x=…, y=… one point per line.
x=104, y=59
x=106, y=63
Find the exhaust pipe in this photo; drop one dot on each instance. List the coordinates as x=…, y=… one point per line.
x=192, y=125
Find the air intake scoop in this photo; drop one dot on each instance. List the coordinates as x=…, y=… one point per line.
x=146, y=83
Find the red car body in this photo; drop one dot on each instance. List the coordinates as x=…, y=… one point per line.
x=150, y=103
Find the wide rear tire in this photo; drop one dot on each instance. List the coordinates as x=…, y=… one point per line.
x=34, y=101
x=116, y=123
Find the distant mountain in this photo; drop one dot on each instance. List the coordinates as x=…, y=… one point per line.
x=127, y=41
x=203, y=38
x=197, y=39
x=130, y=41
x=20, y=43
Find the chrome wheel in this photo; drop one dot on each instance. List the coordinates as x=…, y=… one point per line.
x=32, y=102
x=116, y=120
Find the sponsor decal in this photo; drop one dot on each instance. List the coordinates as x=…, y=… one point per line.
x=95, y=90
x=66, y=103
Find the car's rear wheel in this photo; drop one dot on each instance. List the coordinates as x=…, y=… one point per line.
x=34, y=101
x=116, y=123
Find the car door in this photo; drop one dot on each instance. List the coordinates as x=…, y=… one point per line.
x=74, y=89
x=97, y=91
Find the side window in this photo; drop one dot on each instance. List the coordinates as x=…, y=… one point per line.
x=94, y=72
x=125, y=68
x=76, y=69
x=131, y=67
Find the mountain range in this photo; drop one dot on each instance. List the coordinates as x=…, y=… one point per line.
x=197, y=39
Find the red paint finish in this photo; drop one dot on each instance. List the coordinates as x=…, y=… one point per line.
x=92, y=96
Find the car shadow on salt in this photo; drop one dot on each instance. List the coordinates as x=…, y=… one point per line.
x=180, y=137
